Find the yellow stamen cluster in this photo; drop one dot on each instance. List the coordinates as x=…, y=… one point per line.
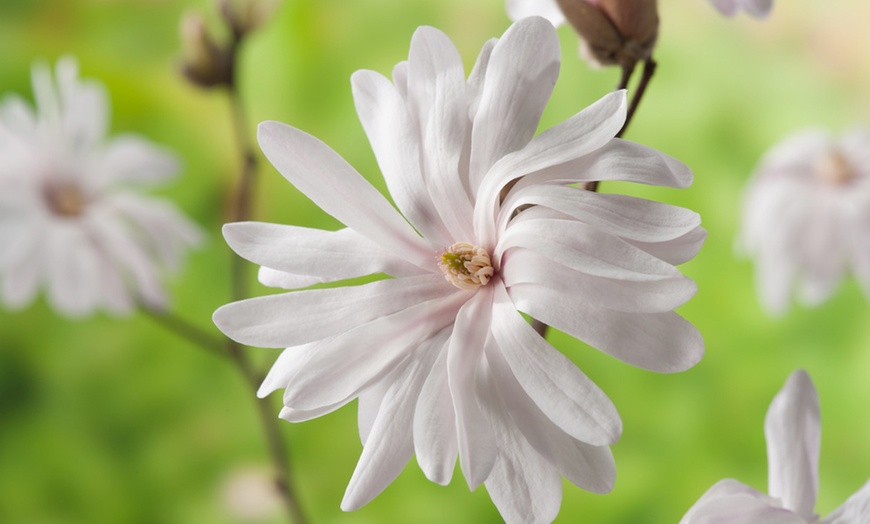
x=834, y=169
x=466, y=266
x=64, y=199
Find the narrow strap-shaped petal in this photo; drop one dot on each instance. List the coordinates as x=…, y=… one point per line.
x=520, y=76
x=732, y=502
x=620, y=215
x=677, y=251
x=131, y=159
x=282, y=279
x=793, y=432
x=585, y=248
x=646, y=296
x=549, y=9
x=72, y=276
x=342, y=366
x=437, y=96
x=558, y=387
x=299, y=317
x=477, y=446
x=330, y=255
x=285, y=366
x=369, y=404
x=396, y=145
x=856, y=509
x=661, y=342
x=390, y=444
x=435, y=421
x=589, y=467
x=331, y=183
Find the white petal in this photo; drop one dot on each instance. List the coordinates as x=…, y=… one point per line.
x=72, y=278
x=558, y=387
x=299, y=317
x=731, y=502
x=437, y=97
x=84, y=106
x=435, y=423
x=758, y=8
x=477, y=446
x=330, y=255
x=369, y=405
x=651, y=296
x=131, y=159
x=286, y=365
x=549, y=9
x=590, y=467
x=274, y=278
x=661, y=342
x=793, y=434
x=677, y=251
x=856, y=509
x=390, y=444
x=331, y=183
x=620, y=215
x=519, y=80
x=396, y=144
x=340, y=367
x=21, y=280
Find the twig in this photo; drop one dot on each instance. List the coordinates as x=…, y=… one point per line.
x=186, y=330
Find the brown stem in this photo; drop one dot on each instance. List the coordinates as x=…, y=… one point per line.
x=186, y=330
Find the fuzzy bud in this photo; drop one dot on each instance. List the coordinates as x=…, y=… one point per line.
x=244, y=16
x=614, y=32
x=205, y=63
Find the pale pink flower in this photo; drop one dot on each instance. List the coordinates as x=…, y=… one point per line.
x=439, y=356
x=806, y=217
x=756, y=8
x=71, y=218
x=793, y=434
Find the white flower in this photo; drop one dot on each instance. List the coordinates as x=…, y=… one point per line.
x=793, y=432
x=756, y=8
x=70, y=219
x=439, y=356
x=806, y=217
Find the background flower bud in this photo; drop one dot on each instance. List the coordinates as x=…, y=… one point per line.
x=614, y=32
x=244, y=16
x=205, y=63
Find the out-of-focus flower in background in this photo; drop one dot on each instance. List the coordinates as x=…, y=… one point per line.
x=249, y=494
x=756, y=8
x=612, y=32
x=806, y=217
x=71, y=220
x=440, y=357
x=793, y=432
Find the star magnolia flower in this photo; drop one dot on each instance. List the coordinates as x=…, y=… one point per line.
x=805, y=217
x=793, y=432
x=439, y=356
x=756, y=8
x=69, y=219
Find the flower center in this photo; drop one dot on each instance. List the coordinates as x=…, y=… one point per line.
x=466, y=266
x=64, y=199
x=834, y=169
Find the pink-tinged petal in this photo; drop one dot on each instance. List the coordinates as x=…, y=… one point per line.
x=677, y=251
x=299, y=317
x=624, y=216
x=584, y=248
x=549, y=9
x=477, y=446
x=331, y=183
x=523, y=485
x=396, y=145
x=85, y=107
x=299, y=415
x=520, y=76
x=661, y=342
x=369, y=405
x=652, y=296
x=823, y=258
x=726, y=7
x=329, y=255
x=589, y=467
x=72, y=276
x=731, y=502
x=21, y=279
x=793, y=432
x=758, y=8
x=475, y=85
x=558, y=387
x=130, y=159
x=286, y=365
x=435, y=422
x=856, y=509
x=390, y=444
x=437, y=97
x=342, y=366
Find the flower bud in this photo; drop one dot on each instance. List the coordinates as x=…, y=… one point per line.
x=614, y=32
x=244, y=16
x=205, y=64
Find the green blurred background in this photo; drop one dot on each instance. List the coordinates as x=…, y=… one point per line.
x=115, y=420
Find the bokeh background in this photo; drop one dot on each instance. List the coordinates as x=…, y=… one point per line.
x=116, y=420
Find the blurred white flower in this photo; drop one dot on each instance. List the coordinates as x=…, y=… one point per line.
x=441, y=359
x=756, y=8
x=69, y=218
x=806, y=217
x=793, y=432
x=249, y=494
